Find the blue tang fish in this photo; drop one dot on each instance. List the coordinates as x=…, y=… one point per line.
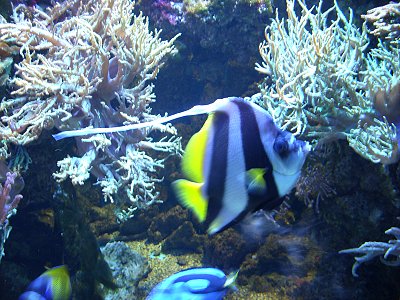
x=239, y=162
x=194, y=284
x=54, y=284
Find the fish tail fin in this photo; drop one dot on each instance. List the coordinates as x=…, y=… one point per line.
x=189, y=195
x=230, y=279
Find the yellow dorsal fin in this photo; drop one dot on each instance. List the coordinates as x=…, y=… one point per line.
x=193, y=159
x=189, y=195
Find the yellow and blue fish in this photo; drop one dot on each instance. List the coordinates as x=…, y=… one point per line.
x=54, y=284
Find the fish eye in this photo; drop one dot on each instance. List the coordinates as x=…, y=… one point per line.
x=281, y=146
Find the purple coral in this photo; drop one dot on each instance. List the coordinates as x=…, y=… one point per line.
x=171, y=11
x=6, y=206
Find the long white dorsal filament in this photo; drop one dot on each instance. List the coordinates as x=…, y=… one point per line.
x=195, y=110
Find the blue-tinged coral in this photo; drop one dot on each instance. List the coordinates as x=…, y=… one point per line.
x=90, y=64
x=324, y=79
x=385, y=21
x=389, y=253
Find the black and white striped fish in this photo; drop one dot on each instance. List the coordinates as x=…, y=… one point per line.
x=239, y=162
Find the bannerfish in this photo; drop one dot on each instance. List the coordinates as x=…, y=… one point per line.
x=54, y=284
x=194, y=284
x=239, y=162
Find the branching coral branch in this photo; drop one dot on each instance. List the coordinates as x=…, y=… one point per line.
x=89, y=63
x=377, y=142
x=385, y=19
x=323, y=80
x=389, y=253
x=307, y=68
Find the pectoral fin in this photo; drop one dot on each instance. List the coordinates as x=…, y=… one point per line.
x=255, y=182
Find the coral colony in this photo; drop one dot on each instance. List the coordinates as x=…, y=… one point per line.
x=86, y=64
x=326, y=86
x=324, y=80
x=91, y=63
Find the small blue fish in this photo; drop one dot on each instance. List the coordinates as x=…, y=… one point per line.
x=194, y=284
x=54, y=284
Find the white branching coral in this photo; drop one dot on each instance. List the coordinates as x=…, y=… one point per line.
x=385, y=19
x=376, y=142
x=88, y=63
x=101, y=51
x=308, y=66
x=323, y=79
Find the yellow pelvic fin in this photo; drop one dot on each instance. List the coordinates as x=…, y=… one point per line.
x=189, y=195
x=193, y=159
x=255, y=181
x=214, y=227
